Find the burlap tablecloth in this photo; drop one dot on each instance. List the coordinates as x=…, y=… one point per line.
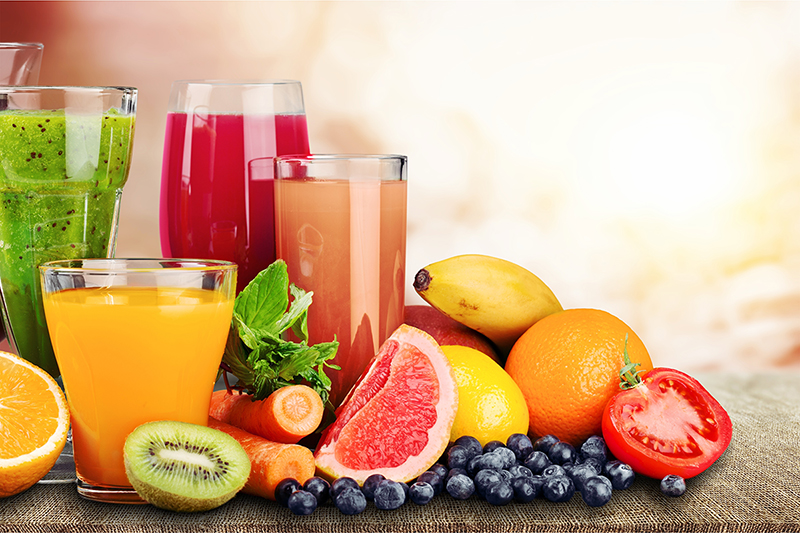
x=754, y=486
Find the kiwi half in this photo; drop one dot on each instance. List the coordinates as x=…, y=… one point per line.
x=184, y=467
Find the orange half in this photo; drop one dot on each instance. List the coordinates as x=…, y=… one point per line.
x=34, y=419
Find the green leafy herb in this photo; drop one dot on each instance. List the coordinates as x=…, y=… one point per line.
x=256, y=352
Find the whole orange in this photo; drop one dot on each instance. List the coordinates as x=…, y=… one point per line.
x=567, y=366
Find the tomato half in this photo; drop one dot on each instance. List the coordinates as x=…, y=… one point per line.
x=666, y=424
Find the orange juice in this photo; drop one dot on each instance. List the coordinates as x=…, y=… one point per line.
x=346, y=242
x=130, y=355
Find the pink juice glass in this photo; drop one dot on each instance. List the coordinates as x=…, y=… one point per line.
x=341, y=228
x=217, y=189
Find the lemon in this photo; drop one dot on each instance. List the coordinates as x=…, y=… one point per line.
x=490, y=404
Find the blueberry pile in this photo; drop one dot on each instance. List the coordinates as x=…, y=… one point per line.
x=519, y=470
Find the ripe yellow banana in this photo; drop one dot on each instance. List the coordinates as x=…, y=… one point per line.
x=493, y=296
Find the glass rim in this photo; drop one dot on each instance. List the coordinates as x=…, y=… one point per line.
x=200, y=265
x=340, y=157
x=236, y=83
x=20, y=45
x=68, y=88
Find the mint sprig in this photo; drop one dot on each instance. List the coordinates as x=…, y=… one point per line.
x=256, y=352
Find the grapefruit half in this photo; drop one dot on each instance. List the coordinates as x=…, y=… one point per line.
x=396, y=420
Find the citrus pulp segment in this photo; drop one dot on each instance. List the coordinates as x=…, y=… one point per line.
x=34, y=419
x=397, y=419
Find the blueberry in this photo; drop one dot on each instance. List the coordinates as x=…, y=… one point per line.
x=350, y=501
x=433, y=479
x=492, y=445
x=620, y=474
x=509, y=459
x=440, y=469
x=673, y=485
x=520, y=471
x=526, y=489
x=595, y=447
x=562, y=452
x=607, y=481
x=595, y=492
x=484, y=479
x=403, y=486
x=506, y=475
x=475, y=465
x=454, y=472
x=302, y=502
x=457, y=457
x=319, y=487
x=580, y=474
x=595, y=463
x=285, y=488
x=537, y=461
x=520, y=444
x=499, y=493
x=558, y=489
x=389, y=495
x=543, y=444
x=342, y=483
x=493, y=460
x=568, y=466
x=370, y=484
x=471, y=444
x=460, y=486
x=554, y=470
x=421, y=493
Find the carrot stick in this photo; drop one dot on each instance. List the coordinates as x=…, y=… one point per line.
x=287, y=415
x=271, y=462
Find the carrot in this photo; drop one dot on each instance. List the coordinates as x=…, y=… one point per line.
x=287, y=415
x=271, y=462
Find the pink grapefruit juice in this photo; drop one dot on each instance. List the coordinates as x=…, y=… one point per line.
x=217, y=194
x=346, y=242
x=131, y=355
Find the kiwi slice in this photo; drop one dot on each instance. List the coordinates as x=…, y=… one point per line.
x=184, y=467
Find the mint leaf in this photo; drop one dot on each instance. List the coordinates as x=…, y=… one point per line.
x=296, y=317
x=257, y=352
x=263, y=302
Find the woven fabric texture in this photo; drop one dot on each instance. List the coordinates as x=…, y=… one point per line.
x=753, y=487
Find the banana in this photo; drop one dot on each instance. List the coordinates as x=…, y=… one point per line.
x=493, y=296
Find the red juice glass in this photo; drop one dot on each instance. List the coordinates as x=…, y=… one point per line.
x=217, y=189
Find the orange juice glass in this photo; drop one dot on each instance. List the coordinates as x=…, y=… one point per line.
x=340, y=224
x=136, y=340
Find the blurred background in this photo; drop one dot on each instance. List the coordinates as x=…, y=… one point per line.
x=641, y=158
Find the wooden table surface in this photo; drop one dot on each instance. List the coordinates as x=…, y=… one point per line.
x=754, y=486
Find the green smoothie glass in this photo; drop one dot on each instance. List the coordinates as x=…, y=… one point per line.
x=64, y=157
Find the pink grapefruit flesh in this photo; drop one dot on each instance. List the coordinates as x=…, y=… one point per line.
x=396, y=420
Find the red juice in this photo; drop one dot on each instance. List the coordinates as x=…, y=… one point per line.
x=217, y=189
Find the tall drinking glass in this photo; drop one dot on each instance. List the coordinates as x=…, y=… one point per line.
x=341, y=228
x=137, y=340
x=20, y=63
x=217, y=194
x=64, y=157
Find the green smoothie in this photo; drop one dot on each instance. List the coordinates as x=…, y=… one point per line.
x=61, y=179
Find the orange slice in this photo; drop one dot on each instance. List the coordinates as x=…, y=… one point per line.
x=34, y=419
